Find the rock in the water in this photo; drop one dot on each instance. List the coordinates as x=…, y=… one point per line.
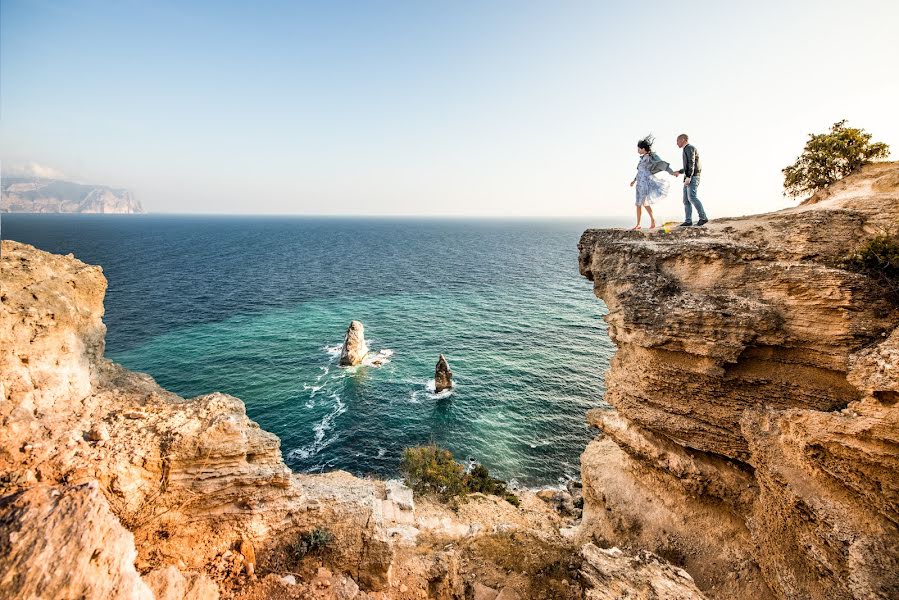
x=354, y=348
x=443, y=377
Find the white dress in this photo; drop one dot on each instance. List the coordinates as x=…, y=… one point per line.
x=649, y=187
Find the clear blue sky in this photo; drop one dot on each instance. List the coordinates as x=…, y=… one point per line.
x=475, y=108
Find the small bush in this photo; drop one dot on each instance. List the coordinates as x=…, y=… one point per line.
x=878, y=258
x=829, y=157
x=313, y=542
x=431, y=470
x=512, y=499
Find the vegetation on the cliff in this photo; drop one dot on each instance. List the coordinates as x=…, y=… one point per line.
x=878, y=258
x=829, y=157
x=432, y=470
x=314, y=542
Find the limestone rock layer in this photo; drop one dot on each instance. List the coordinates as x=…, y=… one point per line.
x=104, y=475
x=754, y=389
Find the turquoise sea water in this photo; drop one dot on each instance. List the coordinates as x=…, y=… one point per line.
x=257, y=307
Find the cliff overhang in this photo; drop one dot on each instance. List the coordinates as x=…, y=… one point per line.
x=752, y=424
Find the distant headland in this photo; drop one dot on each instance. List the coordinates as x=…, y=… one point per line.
x=46, y=195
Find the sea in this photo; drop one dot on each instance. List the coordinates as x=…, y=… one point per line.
x=257, y=307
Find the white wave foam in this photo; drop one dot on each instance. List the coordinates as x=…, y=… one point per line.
x=430, y=389
x=320, y=429
x=433, y=394
x=377, y=359
x=314, y=388
x=333, y=351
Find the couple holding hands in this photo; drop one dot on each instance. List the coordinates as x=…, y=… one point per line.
x=651, y=187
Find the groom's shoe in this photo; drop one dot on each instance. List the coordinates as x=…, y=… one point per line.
x=686, y=224
x=701, y=222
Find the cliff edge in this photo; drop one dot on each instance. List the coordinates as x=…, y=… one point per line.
x=113, y=487
x=754, y=438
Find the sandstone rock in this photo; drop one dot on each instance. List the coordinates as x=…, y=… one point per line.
x=611, y=575
x=189, y=477
x=443, y=377
x=354, y=348
x=51, y=338
x=508, y=593
x=482, y=592
x=63, y=542
x=169, y=583
x=97, y=433
x=347, y=589
x=249, y=557
x=875, y=370
x=754, y=431
x=400, y=495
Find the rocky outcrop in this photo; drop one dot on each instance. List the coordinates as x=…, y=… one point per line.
x=103, y=475
x=611, y=575
x=755, y=431
x=41, y=195
x=63, y=542
x=354, y=349
x=443, y=377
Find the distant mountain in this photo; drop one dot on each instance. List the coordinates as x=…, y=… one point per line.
x=41, y=195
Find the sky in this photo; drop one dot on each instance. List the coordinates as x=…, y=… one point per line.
x=502, y=108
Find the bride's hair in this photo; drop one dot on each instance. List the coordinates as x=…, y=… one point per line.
x=646, y=143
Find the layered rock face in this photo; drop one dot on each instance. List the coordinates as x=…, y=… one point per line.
x=112, y=487
x=755, y=432
x=65, y=543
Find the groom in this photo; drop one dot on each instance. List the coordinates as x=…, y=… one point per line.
x=691, y=171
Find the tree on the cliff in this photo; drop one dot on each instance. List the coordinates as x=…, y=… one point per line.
x=828, y=157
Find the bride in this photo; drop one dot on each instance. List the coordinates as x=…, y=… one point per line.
x=650, y=187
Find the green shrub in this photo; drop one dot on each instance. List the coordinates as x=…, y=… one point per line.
x=878, y=258
x=431, y=470
x=828, y=157
x=313, y=542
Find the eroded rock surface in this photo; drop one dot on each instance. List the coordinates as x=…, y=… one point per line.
x=443, y=376
x=754, y=388
x=204, y=491
x=612, y=575
x=63, y=542
x=354, y=348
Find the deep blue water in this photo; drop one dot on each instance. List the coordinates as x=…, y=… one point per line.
x=257, y=306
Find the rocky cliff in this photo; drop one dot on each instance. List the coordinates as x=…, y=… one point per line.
x=754, y=434
x=112, y=487
x=40, y=195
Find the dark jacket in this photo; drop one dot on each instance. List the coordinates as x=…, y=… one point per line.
x=657, y=165
x=692, y=165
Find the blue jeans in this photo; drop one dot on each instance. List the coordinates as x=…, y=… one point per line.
x=690, y=198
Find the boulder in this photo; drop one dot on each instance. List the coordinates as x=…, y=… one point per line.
x=64, y=542
x=354, y=348
x=169, y=583
x=443, y=377
x=609, y=574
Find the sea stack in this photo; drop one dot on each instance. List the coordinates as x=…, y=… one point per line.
x=443, y=377
x=354, y=348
